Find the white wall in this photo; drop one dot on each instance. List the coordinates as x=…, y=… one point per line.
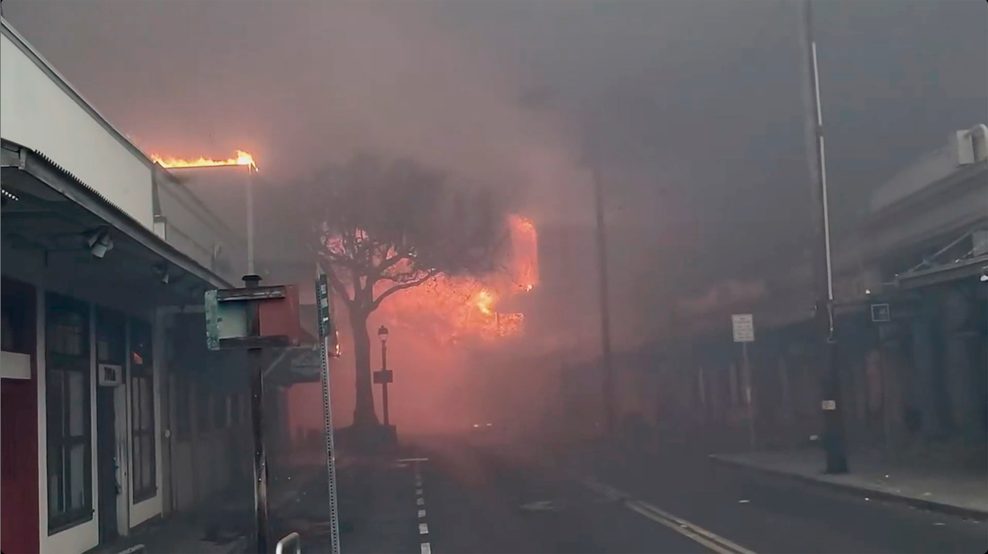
x=38, y=113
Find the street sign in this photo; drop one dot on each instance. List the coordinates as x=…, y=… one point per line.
x=881, y=313
x=382, y=376
x=743, y=326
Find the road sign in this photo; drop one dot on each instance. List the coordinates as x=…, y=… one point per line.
x=744, y=327
x=383, y=376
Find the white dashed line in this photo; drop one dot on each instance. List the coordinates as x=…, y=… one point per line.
x=420, y=501
x=426, y=548
x=423, y=528
x=421, y=514
x=418, y=491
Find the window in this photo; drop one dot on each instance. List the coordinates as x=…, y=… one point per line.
x=67, y=408
x=142, y=412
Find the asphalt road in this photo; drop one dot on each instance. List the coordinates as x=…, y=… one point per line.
x=482, y=495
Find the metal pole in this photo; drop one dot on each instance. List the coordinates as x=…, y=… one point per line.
x=605, y=311
x=257, y=424
x=749, y=407
x=833, y=432
x=384, y=383
x=325, y=331
x=250, y=220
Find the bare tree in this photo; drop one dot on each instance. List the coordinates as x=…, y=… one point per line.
x=382, y=227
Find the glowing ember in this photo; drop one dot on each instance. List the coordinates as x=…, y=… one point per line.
x=242, y=158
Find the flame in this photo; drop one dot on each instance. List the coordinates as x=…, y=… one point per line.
x=460, y=307
x=242, y=158
x=484, y=300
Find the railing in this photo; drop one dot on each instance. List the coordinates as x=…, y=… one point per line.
x=289, y=544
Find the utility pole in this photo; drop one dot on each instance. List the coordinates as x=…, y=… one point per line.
x=255, y=361
x=605, y=310
x=833, y=425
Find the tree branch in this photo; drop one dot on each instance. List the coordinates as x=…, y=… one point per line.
x=407, y=285
x=338, y=285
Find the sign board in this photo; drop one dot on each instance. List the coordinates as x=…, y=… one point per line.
x=881, y=313
x=109, y=375
x=322, y=306
x=743, y=326
x=229, y=313
x=382, y=376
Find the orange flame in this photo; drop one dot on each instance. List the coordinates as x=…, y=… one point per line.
x=453, y=308
x=242, y=158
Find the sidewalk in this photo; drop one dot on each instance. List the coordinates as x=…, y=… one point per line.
x=173, y=535
x=956, y=491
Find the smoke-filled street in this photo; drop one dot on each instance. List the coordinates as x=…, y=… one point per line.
x=487, y=495
x=464, y=276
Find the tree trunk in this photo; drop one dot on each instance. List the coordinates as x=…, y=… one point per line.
x=363, y=412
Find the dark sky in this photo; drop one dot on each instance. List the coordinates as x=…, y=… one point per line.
x=692, y=109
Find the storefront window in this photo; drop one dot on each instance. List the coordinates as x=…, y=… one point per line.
x=67, y=401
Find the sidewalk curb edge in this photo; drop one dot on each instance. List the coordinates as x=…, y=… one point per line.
x=931, y=505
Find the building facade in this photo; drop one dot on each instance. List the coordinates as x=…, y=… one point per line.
x=112, y=412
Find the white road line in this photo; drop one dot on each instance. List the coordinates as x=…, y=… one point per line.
x=426, y=548
x=423, y=528
x=711, y=540
x=420, y=501
x=418, y=491
x=413, y=459
x=421, y=514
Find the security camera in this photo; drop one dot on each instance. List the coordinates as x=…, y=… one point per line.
x=99, y=242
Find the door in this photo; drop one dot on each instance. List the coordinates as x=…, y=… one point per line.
x=106, y=456
x=110, y=340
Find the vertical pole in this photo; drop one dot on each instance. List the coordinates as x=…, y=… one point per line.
x=326, y=327
x=250, y=220
x=748, y=404
x=384, y=383
x=833, y=433
x=257, y=423
x=605, y=311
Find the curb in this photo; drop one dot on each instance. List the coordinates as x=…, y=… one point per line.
x=931, y=505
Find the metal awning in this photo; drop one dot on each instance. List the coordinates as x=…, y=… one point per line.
x=46, y=208
x=968, y=268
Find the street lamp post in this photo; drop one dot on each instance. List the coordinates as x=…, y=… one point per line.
x=382, y=333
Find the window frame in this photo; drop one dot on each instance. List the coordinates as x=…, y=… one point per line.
x=56, y=440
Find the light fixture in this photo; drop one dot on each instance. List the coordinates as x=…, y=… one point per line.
x=99, y=242
x=162, y=271
x=382, y=333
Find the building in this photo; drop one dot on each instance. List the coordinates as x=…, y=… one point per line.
x=912, y=311
x=114, y=414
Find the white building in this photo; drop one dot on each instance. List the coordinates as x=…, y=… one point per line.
x=112, y=412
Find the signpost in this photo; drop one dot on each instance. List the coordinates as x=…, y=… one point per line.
x=253, y=318
x=743, y=327
x=327, y=333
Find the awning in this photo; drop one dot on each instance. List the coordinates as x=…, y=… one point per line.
x=48, y=209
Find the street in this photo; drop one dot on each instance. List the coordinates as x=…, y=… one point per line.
x=477, y=495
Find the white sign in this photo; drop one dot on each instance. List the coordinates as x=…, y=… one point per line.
x=744, y=327
x=109, y=375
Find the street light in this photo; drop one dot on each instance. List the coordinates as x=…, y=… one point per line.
x=382, y=333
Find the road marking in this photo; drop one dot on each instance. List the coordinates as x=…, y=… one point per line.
x=709, y=539
x=426, y=548
x=418, y=491
x=413, y=459
x=420, y=501
x=421, y=513
x=423, y=528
